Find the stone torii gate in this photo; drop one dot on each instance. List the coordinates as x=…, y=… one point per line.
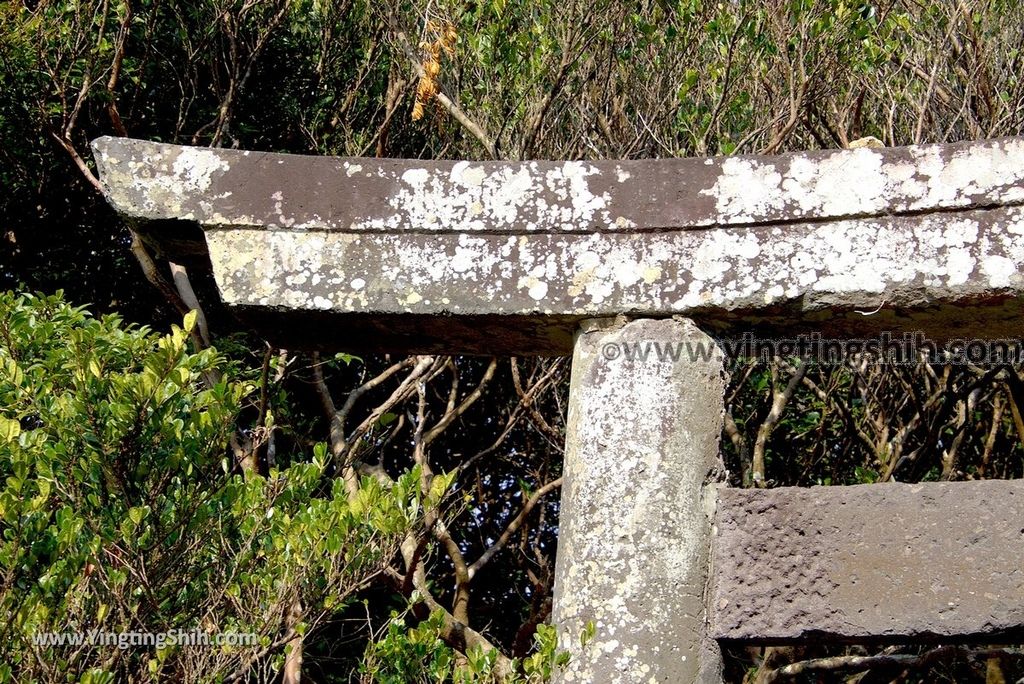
x=593, y=258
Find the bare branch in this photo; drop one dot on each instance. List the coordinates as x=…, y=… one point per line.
x=454, y=413
x=779, y=401
x=65, y=142
x=854, y=663
x=188, y=296
x=554, y=436
x=513, y=526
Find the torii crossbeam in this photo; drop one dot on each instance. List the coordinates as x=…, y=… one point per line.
x=509, y=257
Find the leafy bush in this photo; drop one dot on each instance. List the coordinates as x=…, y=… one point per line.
x=403, y=655
x=122, y=512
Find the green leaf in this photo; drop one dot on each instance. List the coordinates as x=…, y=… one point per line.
x=136, y=514
x=9, y=429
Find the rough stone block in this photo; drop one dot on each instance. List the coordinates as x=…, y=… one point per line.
x=880, y=562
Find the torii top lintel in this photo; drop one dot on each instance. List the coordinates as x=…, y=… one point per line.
x=508, y=257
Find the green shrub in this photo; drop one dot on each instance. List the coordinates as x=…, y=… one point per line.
x=121, y=510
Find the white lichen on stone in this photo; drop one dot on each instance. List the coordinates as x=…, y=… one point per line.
x=857, y=263
x=473, y=198
x=860, y=182
x=1001, y=272
x=163, y=183
x=194, y=169
x=745, y=190
x=538, y=290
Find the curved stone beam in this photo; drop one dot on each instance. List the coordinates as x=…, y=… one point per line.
x=508, y=257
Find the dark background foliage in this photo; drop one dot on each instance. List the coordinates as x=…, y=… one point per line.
x=545, y=79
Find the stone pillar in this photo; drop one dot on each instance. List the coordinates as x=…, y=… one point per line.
x=634, y=539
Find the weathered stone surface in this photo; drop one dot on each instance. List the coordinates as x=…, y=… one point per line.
x=882, y=562
x=847, y=243
x=960, y=275
x=218, y=187
x=633, y=543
